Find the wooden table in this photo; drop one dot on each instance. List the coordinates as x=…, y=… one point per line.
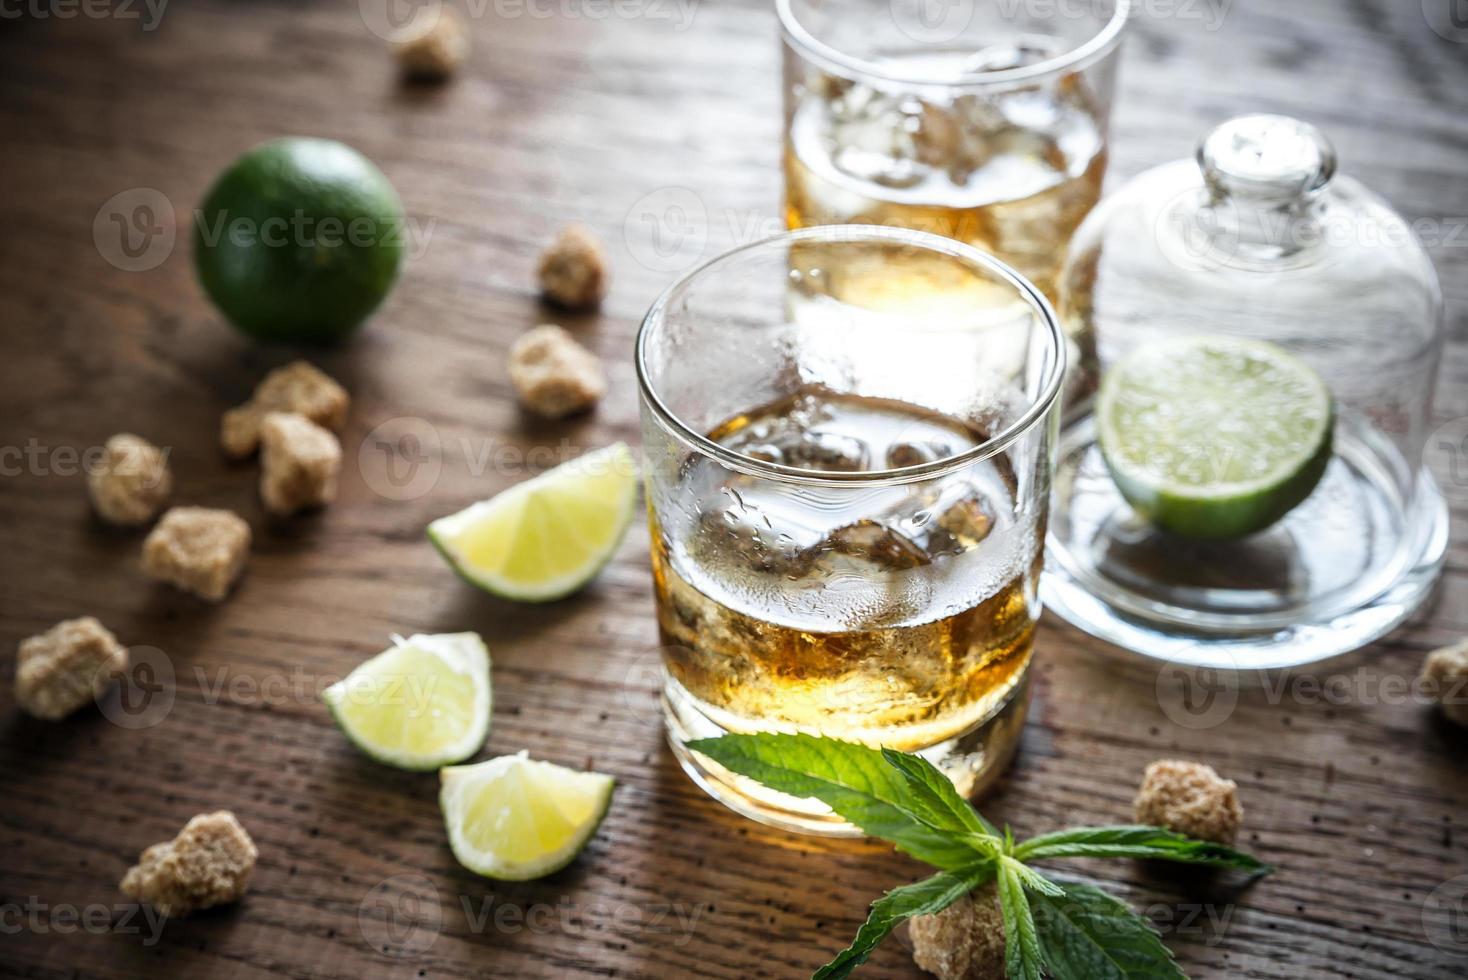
x=1361, y=800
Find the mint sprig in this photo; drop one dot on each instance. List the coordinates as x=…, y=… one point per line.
x=1064, y=931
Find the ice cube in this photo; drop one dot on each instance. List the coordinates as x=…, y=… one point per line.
x=979, y=115
x=877, y=543
x=745, y=537
x=870, y=137
x=901, y=454
x=792, y=443
x=980, y=125
x=960, y=527
x=936, y=135
x=879, y=168
x=827, y=451
x=959, y=137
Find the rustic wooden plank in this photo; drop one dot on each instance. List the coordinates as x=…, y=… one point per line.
x=1360, y=803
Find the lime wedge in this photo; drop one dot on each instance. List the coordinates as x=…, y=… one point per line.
x=421, y=704
x=547, y=537
x=514, y=818
x=1214, y=437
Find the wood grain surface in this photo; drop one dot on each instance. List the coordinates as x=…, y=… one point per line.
x=1360, y=795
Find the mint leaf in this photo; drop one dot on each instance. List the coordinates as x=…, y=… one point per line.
x=920, y=898
x=1031, y=878
x=853, y=780
x=1088, y=935
x=1022, y=957
x=936, y=791
x=1136, y=841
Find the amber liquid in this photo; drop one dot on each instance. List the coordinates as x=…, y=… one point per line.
x=902, y=617
x=1013, y=175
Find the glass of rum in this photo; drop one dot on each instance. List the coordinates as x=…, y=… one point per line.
x=981, y=120
x=849, y=434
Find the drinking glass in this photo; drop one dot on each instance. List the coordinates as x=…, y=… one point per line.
x=981, y=120
x=849, y=434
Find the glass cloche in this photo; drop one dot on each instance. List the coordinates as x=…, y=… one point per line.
x=1259, y=239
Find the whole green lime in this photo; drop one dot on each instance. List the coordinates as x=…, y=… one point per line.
x=299, y=240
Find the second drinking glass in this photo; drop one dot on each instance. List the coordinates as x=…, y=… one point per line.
x=979, y=120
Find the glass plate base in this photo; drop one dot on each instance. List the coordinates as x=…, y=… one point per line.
x=1344, y=568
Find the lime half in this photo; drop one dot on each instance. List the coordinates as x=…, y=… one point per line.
x=514, y=818
x=1214, y=437
x=422, y=704
x=547, y=537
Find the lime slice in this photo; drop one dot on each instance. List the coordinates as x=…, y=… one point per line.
x=514, y=818
x=422, y=704
x=1214, y=437
x=547, y=537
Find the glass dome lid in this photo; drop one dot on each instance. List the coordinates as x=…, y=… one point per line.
x=1260, y=239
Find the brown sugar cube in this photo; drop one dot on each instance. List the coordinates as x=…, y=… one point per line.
x=209, y=863
x=573, y=271
x=67, y=667
x=299, y=463
x=239, y=431
x=298, y=387
x=436, y=53
x=965, y=941
x=198, y=549
x=1189, y=798
x=132, y=482
x=1445, y=679
x=554, y=375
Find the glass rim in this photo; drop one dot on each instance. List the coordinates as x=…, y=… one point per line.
x=1033, y=415
x=812, y=48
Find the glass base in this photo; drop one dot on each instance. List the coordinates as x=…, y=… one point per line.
x=974, y=760
x=1344, y=568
